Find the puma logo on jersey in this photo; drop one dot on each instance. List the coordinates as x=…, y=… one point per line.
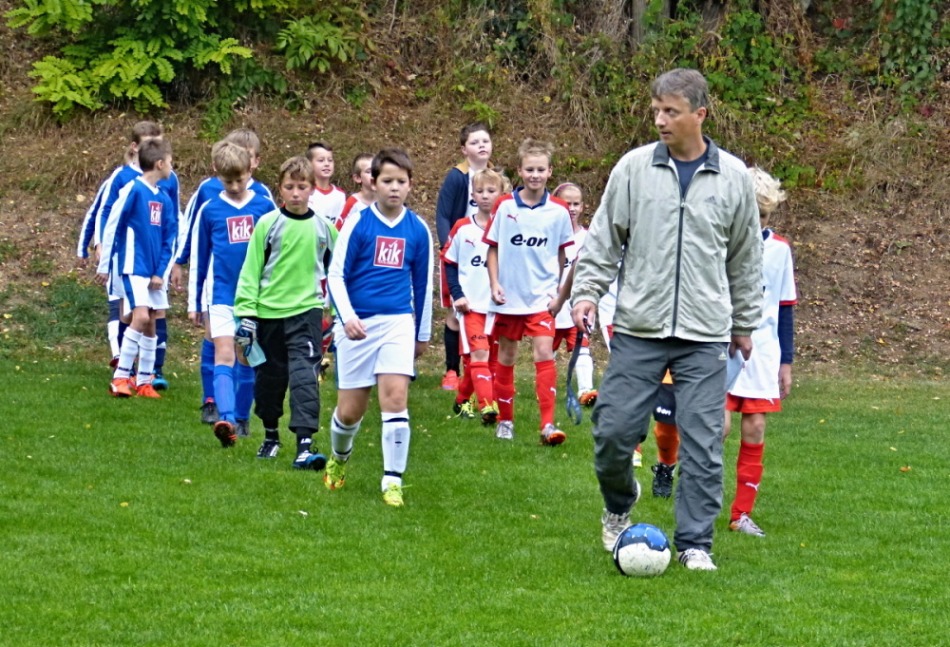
x=240, y=229
x=546, y=324
x=513, y=216
x=470, y=242
x=155, y=213
x=390, y=252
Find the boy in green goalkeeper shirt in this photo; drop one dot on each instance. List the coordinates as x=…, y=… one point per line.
x=280, y=301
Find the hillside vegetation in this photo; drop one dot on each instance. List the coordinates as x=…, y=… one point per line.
x=845, y=103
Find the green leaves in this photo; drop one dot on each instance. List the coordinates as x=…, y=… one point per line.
x=316, y=41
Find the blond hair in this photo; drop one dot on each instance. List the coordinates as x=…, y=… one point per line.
x=535, y=147
x=229, y=159
x=245, y=138
x=768, y=190
x=488, y=176
x=297, y=168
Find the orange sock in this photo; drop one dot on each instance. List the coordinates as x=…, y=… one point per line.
x=481, y=378
x=546, y=389
x=505, y=391
x=667, y=442
x=748, y=477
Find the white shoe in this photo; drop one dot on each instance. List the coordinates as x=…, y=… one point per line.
x=613, y=525
x=745, y=525
x=696, y=559
x=637, y=458
x=505, y=430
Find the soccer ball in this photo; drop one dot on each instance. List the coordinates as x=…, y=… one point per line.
x=642, y=550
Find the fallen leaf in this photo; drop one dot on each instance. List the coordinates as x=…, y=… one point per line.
x=893, y=449
x=124, y=504
x=905, y=468
x=186, y=481
x=303, y=513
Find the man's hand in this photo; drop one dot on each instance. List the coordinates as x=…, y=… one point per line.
x=584, y=314
x=741, y=343
x=784, y=380
x=246, y=332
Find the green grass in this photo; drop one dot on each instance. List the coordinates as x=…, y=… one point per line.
x=125, y=523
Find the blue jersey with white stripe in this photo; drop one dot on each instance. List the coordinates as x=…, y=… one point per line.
x=221, y=233
x=383, y=267
x=209, y=188
x=140, y=233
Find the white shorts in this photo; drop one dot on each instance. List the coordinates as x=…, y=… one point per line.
x=221, y=321
x=135, y=293
x=389, y=348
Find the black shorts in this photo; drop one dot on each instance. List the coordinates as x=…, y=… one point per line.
x=665, y=409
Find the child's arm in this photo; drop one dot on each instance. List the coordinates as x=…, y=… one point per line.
x=114, y=222
x=169, y=237
x=497, y=292
x=200, y=261
x=422, y=287
x=336, y=284
x=88, y=229
x=563, y=293
x=446, y=207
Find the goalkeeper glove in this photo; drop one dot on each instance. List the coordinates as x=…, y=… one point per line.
x=246, y=332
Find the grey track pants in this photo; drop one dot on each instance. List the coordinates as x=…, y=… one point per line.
x=625, y=402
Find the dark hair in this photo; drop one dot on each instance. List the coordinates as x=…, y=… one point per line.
x=682, y=82
x=396, y=157
x=152, y=151
x=144, y=130
x=298, y=168
x=312, y=146
x=467, y=131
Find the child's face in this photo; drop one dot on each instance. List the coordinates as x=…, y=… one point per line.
x=236, y=185
x=255, y=159
x=535, y=171
x=575, y=204
x=322, y=164
x=392, y=187
x=165, y=167
x=485, y=196
x=295, y=194
x=478, y=147
x=365, y=177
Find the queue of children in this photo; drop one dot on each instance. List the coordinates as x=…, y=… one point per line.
x=263, y=274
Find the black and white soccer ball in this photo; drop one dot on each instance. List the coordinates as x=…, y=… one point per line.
x=642, y=550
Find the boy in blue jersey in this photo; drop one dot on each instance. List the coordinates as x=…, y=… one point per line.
x=207, y=189
x=380, y=281
x=222, y=230
x=137, y=246
x=280, y=299
x=90, y=233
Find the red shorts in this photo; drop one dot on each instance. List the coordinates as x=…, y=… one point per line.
x=473, y=337
x=752, y=405
x=569, y=335
x=516, y=327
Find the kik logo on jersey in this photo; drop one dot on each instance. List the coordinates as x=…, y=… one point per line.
x=155, y=213
x=390, y=252
x=240, y=229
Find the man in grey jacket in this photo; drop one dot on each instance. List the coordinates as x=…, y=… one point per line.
x=679, y=217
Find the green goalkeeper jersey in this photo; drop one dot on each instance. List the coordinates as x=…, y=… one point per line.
x=284, y=273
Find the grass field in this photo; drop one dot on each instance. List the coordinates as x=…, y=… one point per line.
x=125, y=523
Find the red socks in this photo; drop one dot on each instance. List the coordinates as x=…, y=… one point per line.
x=667, y=442
x=748, y=477
x=546, y=389
x=505, y=391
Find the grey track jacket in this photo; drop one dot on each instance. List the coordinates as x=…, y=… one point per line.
x=690, y=268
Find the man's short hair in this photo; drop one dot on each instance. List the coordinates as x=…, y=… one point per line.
x=396, y=157
x=152, y=151
x=467, y=131
x=230, y=159
x=246, y=138
x=145, y=130
x=682, y=82
x=297, y=168
x=535, y=147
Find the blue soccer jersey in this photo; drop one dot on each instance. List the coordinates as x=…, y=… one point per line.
x=219, y=244
x=209, y=188
x=140, y=232
x=95, y=220
x=383, y=267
